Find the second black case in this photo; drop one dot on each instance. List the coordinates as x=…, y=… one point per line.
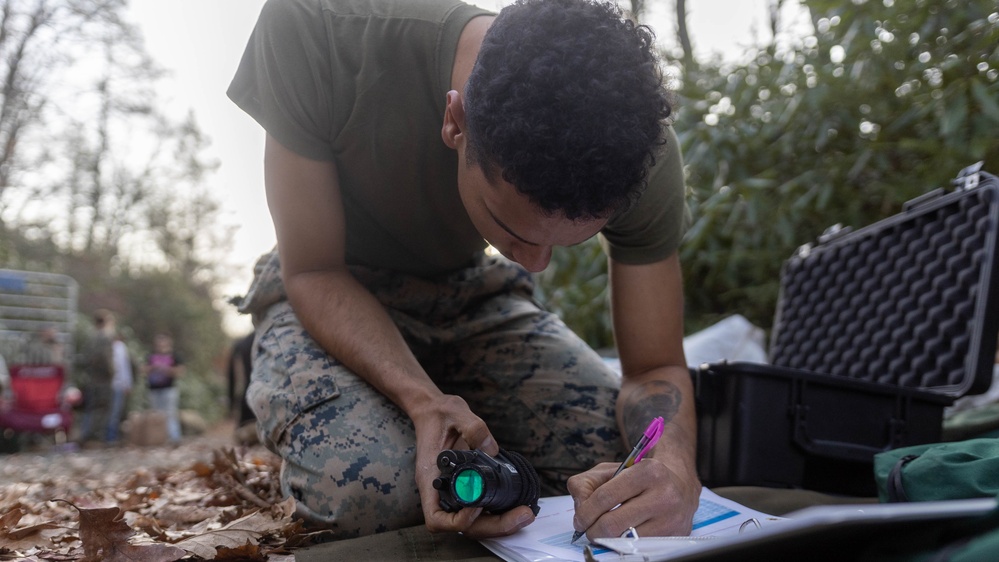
x=876, y=332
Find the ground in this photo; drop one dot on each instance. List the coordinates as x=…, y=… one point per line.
x=105, y=466
x=207, y=498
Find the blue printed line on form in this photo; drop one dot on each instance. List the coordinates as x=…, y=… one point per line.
x=717, y=518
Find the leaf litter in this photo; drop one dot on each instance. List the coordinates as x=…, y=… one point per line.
x=229, y=508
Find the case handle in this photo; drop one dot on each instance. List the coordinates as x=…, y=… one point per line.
x=838, y=449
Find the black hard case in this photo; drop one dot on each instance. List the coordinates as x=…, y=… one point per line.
x=876, y=332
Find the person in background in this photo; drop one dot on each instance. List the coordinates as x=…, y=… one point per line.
x=162, y=369
x=239, y=368
x=44, y=348
x=98, y=370
x=4, y=383
x=121, y=387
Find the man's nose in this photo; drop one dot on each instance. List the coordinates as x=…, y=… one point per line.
x=533, y=258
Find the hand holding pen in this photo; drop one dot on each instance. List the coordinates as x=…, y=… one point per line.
x=645, y=444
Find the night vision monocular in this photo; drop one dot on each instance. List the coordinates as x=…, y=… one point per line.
x=474, y=479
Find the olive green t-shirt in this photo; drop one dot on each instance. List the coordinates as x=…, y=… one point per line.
x=362, y=83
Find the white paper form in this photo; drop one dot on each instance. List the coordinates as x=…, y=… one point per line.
x=547, y=539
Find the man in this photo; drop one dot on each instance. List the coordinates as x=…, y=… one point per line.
x=385, y=334
x=44, y=348
x=98, y=368
x=121, y=387
x=238, y=370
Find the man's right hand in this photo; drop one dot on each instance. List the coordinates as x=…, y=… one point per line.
x=448, y=423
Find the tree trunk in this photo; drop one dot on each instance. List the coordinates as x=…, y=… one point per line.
x=637, y=8
x=683, y=34
x=775, y=7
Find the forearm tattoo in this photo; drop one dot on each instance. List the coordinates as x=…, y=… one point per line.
x=653, y=399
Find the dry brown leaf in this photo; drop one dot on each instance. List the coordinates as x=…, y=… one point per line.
x=26, y=537
x=187, y=515
x=9, y=519
x=201, y=469
x=102, y=525
x=245, y=530
x=140, y=553
x=146, y=524
x=297, y=536
x=34, y=556
x=133, y=498
x=40, y=528
x=105, y=536
x=285, y=508
x=36, y=536
x=247, y=553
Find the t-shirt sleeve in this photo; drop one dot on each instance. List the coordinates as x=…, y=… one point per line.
x=652, y=229
x=283, y=78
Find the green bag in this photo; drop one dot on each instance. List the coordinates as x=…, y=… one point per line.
x=939, y=471
x=936, y=472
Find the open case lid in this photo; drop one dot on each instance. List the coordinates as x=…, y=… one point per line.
x=909, y=301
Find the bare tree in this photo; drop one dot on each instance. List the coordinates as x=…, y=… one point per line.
x=775, y=8
x=38, y=40
x=87, y=157
x=184, y=220
x=108, y=153
x=637, y=9
x=19, y=108
x=683, y=34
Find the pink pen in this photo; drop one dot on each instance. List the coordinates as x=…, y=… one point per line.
x=644, y=445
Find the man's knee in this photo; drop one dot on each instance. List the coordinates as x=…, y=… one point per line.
x=350, y=463
x=354, y=494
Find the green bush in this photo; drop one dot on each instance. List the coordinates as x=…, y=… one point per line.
x=886, y=101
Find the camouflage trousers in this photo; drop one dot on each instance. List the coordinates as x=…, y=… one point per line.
x=349, y=453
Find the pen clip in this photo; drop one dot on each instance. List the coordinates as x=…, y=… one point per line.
x=651, y=435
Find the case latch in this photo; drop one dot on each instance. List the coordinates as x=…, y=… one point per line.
x=833, y=232
x=966, y=179
x=969, y=177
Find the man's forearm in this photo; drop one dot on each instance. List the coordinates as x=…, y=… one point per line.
x=665, y=392
x=658, y=398
x=348, y=322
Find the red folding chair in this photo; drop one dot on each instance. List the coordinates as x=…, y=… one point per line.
x=36, y=403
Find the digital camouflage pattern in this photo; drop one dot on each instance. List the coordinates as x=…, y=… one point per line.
x=349, y=452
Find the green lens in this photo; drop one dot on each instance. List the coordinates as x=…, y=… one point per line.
x=468, y=485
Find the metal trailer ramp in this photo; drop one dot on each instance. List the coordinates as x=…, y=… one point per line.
x=31, y=301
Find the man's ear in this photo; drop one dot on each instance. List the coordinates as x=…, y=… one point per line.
x=454, y=120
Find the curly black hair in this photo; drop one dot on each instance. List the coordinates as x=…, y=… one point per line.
x=567, y=101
